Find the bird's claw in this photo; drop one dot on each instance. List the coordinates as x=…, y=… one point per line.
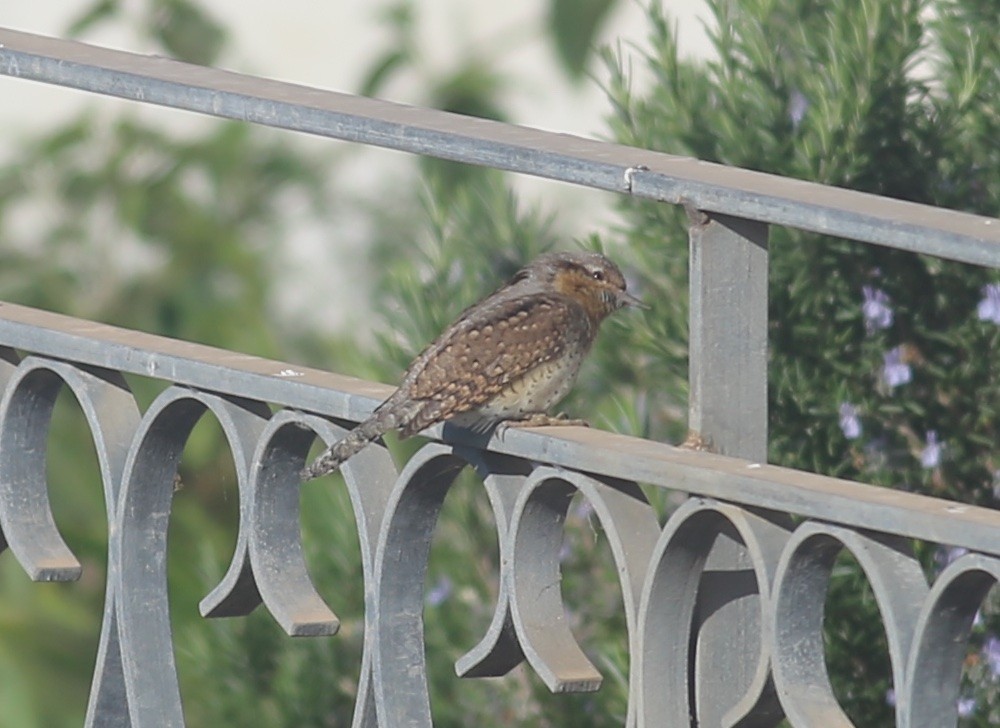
x=541, y=419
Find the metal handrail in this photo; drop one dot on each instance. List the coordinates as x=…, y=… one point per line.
x=602, y=165
x=756, y=657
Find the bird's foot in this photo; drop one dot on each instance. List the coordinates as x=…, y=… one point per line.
x=697, y=441
x=541, y=419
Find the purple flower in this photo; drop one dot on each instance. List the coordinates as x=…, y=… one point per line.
x=798, y=105
x=989, y=307
x=876, y=309
x=440, y=592
x=895, y=371
x=583, y=509
x=966, y=707
x=947, y=554
x=850, y=424
x=931, y=455
x=991, y=653
x=565, y=551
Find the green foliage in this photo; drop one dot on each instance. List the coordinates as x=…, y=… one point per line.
x=872, y=96
x=474, y=87
x=122, y=222
x=471, y=240
x=573, y=28
x=116, y=220
x=181, y=229
x=119, y=221
x=183, y=29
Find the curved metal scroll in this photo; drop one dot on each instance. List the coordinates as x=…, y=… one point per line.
x=929, y=698
x=631, y=527
x=25, y=412
x=529, y=620
x=662, y=688
x=396, y=612
x=800, y=588
x=273, y=542
x=137, y=567
x=499, y=651
x=663, y=575
x=530, y=522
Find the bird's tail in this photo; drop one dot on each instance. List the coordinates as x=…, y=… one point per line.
x=385, y=418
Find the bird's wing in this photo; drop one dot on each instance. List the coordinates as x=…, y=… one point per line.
x=486, y=350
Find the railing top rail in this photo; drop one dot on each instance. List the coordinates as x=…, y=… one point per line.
x=594, y=451
x=642, y=173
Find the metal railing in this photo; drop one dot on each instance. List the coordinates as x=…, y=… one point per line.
x=758, y=656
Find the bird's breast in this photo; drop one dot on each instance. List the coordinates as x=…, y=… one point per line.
x=539, y=389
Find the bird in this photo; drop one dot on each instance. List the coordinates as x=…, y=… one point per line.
x=505, y=360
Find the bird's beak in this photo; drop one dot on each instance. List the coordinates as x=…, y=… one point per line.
x=627, y=299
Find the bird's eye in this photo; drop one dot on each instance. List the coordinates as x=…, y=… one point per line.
x=597, y=275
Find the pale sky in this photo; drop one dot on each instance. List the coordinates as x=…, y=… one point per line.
x=330, y=45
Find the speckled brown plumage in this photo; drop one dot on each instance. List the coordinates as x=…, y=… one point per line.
x=510, y=357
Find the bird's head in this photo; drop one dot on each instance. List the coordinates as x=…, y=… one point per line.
x=590, y=279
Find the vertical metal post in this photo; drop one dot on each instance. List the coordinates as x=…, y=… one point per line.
x=728, y=334
x=728, y=414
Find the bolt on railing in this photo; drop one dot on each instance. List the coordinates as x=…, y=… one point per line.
x=757, y=657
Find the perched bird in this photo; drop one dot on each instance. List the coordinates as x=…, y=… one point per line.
x=508, y=358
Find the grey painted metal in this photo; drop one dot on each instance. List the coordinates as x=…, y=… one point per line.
x=727, y=413
x=674, y=589
x=631, y=527
x=582, y=449
x=400, y=676
x=8, y=366
x=29, y=396
x=939, y=648
x=139, y=541
x=671, y=584
x=800, y=587
x=499, y=651
x=723, y=605
x=728, y=335
x=642, y=173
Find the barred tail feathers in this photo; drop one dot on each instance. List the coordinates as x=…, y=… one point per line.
x=386, y=417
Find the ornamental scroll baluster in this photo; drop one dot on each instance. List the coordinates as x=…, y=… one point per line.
x=662, y=572
x=29, y=396
x=723, y=605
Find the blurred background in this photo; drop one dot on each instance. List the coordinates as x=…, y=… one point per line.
x=883, y=365
x=478, y=57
